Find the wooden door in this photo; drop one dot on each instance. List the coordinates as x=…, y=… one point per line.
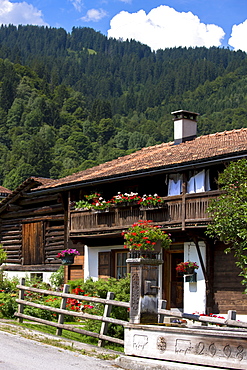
x=173, y=283
x=32, y=243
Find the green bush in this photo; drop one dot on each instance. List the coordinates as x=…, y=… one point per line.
x=99, y=288
x=8, y=285
x=8, y=295
x=8, y=305
x=57, y=277
x=3, y=255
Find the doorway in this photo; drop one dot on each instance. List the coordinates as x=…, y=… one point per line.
x=173, y=282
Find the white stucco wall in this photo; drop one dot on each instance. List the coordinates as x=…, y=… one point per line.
x=195, y=293
x=26, y=274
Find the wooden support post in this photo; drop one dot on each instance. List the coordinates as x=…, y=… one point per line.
x=183, y=205
x=162, y=306
x=107, y=313
x=20, y=305
x=62, y=307
x=201, y=262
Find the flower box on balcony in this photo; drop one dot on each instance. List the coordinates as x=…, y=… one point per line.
x=152, y=207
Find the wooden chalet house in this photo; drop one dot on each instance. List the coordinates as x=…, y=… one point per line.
x=4, y=192
x=39, y=218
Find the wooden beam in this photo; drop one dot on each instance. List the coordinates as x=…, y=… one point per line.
x=34, y=211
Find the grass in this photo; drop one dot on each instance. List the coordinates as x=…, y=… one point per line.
x=66, y=334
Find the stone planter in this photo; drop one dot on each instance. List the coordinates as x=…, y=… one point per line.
x=225, y=348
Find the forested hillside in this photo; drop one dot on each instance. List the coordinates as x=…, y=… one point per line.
x=69, y=101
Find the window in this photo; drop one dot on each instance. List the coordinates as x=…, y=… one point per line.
x=121, y=264
x=175, y=184
x=198, y=183
x=36, y=276
x=112, y=263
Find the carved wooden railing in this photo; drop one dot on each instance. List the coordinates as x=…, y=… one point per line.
x=181, y=211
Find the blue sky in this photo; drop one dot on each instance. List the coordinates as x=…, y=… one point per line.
x=159, y=24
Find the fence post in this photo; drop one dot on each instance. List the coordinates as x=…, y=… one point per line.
x=162, y=306
x=107, y=312
x=62, y=307
x=21, y=296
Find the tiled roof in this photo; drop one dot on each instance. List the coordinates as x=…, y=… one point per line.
x=163, y=155
x=31, y=182
x=5, y=190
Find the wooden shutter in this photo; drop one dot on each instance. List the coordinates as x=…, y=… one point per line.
x=76, y=271
x=32, y=243
x=104, y=266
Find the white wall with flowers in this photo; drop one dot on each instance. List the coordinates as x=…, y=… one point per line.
x=195, y=292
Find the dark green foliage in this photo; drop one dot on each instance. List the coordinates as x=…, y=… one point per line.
x=229, y=213
x=69, y=101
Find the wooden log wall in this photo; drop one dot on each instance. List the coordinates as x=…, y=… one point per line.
x=11, y=239
x=48, y=212
x=54, y=241
x=228, y=290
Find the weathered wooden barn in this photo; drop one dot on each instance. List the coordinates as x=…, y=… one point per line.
x=39, y=218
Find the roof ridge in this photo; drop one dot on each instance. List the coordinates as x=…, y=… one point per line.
x=221, y=133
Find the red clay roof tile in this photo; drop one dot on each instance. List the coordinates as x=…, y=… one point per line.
x=162, y=155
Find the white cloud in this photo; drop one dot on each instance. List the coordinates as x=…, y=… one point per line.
x=94, y=15
x=78, y=4
x=20, y=13
x=164, y=27
x=238, y=37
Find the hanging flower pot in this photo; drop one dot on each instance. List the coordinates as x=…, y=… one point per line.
x=68, y=260
x=189, y=271
x=187, y=268
x=67, y=256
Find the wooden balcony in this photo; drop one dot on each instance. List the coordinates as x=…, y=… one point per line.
x=178, y=212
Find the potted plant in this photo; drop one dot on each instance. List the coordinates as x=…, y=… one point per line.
x=125, y=199
x=143, y=236
x=94, y=197
x=83, y=205
x=150, y=201
x=67, y=256
x=187, y=268
x=93, y=202
x=101, y=205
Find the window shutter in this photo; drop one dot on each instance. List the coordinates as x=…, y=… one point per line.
x=32, y=243
x=104, y=265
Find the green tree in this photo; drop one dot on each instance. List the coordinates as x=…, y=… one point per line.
x=229, y=214
x=16, y=176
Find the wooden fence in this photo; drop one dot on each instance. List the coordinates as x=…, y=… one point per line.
x=105, y=319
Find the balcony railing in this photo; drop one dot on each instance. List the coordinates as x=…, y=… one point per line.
x=183, y=211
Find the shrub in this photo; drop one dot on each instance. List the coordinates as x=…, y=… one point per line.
x=99, y=288
x=8, y=305
x=57, y=277
x=3, y=255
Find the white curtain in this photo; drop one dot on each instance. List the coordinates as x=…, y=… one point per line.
x=199, y=182
x=175, y=184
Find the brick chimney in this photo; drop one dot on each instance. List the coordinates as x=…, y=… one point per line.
x=185, y=126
